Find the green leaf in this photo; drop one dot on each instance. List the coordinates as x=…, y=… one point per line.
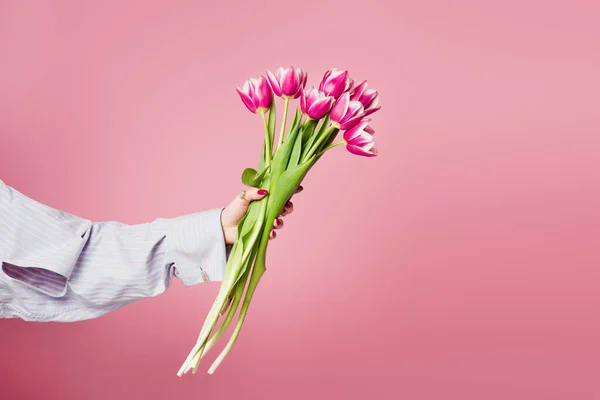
x=282, y=156
x=286, y=186
x=296, y=152
x=309, y=135
x=309, y=144
x=248, y=176
x=329, y=140
x=262, y=161
x=248, y=221
x=295, y=121
x=257, y=182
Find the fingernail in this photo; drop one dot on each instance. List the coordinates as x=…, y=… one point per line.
x=278, y=221
x=262, y=191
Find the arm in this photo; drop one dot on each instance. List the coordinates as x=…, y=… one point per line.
x=51, y=251
x=60, y=267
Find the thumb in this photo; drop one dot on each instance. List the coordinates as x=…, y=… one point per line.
x=233, y=213
x=250, y=195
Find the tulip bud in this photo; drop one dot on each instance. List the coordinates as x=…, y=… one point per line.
x=335, y=82
x=369, y=98
x=256, y=95
x=346, y=113
x=359, y=139
x=288, y=82
x=315, y=104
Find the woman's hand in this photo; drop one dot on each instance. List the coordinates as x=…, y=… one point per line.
x=233, y=213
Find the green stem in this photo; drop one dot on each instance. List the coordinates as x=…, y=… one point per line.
x=269, y=152
x=239, y=291
x=257, y=271
x=283, y=122
x=331, y=146
x=324, y=123
x=239, y=261
x=319, y=141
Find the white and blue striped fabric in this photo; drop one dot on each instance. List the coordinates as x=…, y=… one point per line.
x=60, y=267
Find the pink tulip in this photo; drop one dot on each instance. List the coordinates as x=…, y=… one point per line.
x=335, y=82
x=288, y=82
x=315, y=104
x=359, y=139
x=368, y=97
x=346, y=113
x=256, y=94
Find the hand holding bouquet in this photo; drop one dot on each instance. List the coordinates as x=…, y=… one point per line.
x=335, y=106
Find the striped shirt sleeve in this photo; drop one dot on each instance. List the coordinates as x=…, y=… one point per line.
x=105, y=263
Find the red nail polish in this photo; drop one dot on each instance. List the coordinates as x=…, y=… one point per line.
x=262, y=191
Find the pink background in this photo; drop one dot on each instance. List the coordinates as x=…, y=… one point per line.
x=463, y=263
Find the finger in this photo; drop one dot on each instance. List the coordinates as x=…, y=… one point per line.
x=300, y=188
x=287, y=208
x=272, y=235
x=252, y=194
x=278, y=223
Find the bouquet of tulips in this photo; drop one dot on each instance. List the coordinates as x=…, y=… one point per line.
x=336, y=105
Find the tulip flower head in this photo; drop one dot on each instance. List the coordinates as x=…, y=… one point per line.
x=359, y=139
x=256, y=94
x=369, y=98
x=335, y=82
x=315, y=104
x=287, y=82
x=346, y=113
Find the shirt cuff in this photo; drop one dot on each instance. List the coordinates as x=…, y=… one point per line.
x=50, y=268
x=197, y=247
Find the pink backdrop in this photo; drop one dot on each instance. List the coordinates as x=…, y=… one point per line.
x=463, y=263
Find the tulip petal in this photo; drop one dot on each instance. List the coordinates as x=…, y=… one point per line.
x=354, y=114
x=349, y=84
x=246, y=100
x=351, y=122
x=303, y=102
x=324, y=80
x=319, y=108
x=372, y=110
x=339, y=84
x=340, y=108
x=335, y=73
x=354, y=108
x=289, y=82
x=274, y=83
x=335, y=82
x=361, y=152
x=264, y=94
x=364, y=140
x=358, y=91
x=357, y=130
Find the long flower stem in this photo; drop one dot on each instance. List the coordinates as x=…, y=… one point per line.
x=283, y=122
x=269, y=152
x=331, y=146
x=239, y=291
x=319, y=141
x=258, y=270
x=239, y=262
